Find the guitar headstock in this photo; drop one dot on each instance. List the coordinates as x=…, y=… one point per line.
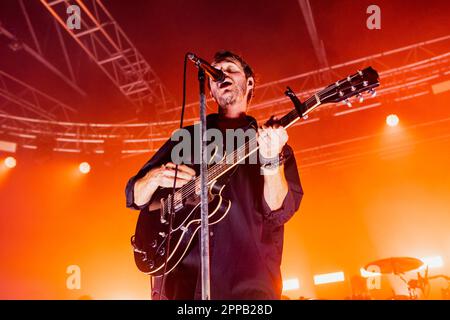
x=355, y=84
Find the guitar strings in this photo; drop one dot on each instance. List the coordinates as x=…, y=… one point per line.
x=218, y=169
x=223, y=166
x=215, y=171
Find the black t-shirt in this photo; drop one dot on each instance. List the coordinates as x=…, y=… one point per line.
x=246, y=246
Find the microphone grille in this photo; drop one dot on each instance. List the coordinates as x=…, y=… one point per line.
x=191, y=56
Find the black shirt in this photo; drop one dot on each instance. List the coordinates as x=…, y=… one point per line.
x=246, y=246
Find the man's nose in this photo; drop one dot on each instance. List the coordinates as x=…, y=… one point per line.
x=221, y=69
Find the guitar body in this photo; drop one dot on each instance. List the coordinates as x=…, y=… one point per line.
x=150, y=239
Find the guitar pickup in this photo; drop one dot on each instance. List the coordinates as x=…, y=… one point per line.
x=163, y=212
x=178, y=201
x=166, y=206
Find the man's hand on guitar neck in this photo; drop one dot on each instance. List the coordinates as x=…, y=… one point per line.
x=271, y=140
x=162, y=176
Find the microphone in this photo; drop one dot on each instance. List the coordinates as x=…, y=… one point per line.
x=214, y=73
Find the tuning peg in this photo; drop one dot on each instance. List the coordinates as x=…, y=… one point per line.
x=372, y=92
x=360, y=97
x=348, y=103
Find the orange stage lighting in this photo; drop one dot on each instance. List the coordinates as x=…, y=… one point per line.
x=10, y=162
x=392, y=120
x=432, y=262
x=84, y=167
x=329, y=277
x=290, y=284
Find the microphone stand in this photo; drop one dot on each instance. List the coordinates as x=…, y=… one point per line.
x=204, y=226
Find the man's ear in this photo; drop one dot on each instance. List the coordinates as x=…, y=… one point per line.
x=250, y=82
x=250, y=87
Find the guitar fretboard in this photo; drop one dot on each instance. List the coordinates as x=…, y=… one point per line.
x=338, y=91
x=240, y=154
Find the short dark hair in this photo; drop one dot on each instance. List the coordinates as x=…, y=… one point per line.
x=223, y=55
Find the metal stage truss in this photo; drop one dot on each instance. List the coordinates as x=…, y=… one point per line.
x=104, y=41
x=405, y=73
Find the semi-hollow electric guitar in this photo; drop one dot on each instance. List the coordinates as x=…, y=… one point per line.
x=150, y=242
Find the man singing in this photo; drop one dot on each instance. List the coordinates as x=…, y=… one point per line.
x=246, y=246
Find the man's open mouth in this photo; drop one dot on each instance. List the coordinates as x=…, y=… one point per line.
x=225, y=84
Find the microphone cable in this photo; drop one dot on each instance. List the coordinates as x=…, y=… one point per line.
x=171, y=211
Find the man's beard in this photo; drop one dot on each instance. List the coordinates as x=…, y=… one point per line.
x=229, y=98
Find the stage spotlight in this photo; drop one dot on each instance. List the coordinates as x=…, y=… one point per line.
x=10, y=162
x=329, y=278
x=432, y=262
x=392, y=120
x=290, y=284
x=84, y=167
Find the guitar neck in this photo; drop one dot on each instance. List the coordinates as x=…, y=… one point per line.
x=309, y=105
x=246, y=150
x=251, y=146
x=353, y=85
